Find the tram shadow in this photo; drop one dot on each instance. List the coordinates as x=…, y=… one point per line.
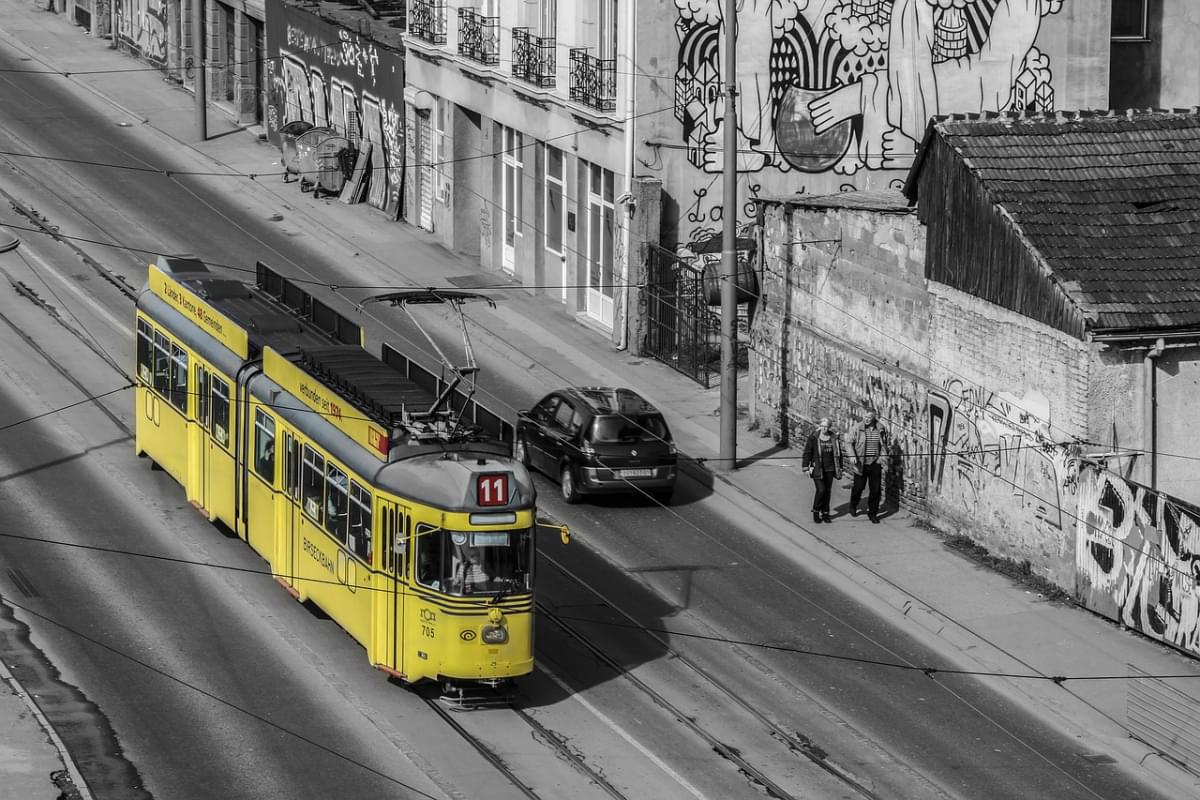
x=595, y=622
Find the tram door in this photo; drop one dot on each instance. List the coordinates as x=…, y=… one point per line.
x=198, y=456
x=288, y=503
x=388, y=636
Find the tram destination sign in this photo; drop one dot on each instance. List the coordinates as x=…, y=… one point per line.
x=323, y=400
x=219, y=326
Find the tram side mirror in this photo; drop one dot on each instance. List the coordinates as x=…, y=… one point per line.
x=564, y=532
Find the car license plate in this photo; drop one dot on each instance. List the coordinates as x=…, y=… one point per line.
x=635, y=473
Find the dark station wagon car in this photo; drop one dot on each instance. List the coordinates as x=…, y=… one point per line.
x=598, y=440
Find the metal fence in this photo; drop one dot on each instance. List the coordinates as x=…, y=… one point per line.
x=681, y=330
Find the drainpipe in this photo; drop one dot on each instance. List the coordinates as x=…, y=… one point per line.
x=630, y=37
x=1150, y=409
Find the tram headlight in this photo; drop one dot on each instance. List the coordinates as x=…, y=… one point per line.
x=494, y=634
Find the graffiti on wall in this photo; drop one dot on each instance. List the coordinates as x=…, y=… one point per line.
x=994, y=452
x=816, y=378
x=334, y=78
x=842, y=85
x=140, y=26
x=1137, y=558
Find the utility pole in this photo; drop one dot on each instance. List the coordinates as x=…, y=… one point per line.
x=729, y=213
x=198, y=66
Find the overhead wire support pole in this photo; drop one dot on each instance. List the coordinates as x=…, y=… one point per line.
x=728, y=453
x=198, y=65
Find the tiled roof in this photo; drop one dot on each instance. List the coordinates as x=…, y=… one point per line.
x=1110, y=202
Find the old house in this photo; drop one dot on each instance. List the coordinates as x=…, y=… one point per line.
x=1031, y=334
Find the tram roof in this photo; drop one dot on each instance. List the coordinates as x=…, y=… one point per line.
x=376, y=388
x=266, y=323
x=276, y=313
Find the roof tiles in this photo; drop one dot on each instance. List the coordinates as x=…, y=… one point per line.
x=1109, y=202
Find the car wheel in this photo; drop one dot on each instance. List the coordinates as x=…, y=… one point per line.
x=521, y=451
x=566, y=478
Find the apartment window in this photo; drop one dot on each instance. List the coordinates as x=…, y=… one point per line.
x=599, y=20
x=556, y=210
x=1129, y=19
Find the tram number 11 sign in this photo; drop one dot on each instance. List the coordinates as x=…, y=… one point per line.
x=492, y=489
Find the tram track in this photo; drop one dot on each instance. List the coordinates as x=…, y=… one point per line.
x=548, y=737
x=793, y=743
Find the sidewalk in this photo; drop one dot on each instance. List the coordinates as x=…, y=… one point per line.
x=974, y=618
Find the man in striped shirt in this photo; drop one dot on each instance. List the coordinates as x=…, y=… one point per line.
x=869, y=446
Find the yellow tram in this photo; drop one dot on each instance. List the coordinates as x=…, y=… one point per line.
x=358, y=479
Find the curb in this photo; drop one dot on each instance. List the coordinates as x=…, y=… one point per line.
x=69, y=780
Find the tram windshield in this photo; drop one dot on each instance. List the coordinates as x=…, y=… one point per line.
x=474, y=562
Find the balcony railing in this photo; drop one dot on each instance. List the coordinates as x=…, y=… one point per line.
x=593, y=80
x=478, y=37
x=427, y=20
x=533, y=58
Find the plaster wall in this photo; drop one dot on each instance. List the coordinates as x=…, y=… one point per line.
x=1181, y=69
x=1178, y=459
x=1116, y=414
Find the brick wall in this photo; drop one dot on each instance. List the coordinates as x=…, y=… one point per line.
x=1009, y=398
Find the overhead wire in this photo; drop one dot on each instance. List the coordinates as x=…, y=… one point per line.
x=486, y=199
x=926, y=669
x=192, y=687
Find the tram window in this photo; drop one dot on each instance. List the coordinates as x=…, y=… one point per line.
x=360, y=522
x=430, y=556
x=337, y=502
x=162, y=364
x=312, y=484
x=145, y=346
x=220, y=411
x=179, y=378
x=264, y=445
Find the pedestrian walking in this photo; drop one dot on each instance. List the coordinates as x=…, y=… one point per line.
x=870, y=443
x=823, y=461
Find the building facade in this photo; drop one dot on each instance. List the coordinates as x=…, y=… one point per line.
x=517, y=115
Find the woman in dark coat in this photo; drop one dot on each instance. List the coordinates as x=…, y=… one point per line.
x=823, y=461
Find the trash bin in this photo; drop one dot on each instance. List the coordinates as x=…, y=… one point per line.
x=308, y=145
x=330, y=159
x=287, y=143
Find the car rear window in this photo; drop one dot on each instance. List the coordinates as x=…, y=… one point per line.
x=633, y=428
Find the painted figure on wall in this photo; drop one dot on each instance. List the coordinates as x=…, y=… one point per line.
x=845, y=84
